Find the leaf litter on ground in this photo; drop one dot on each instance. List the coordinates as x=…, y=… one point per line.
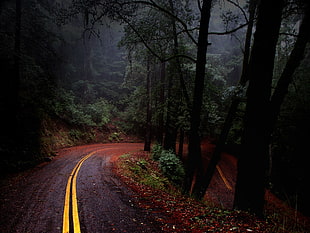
x=182, y=213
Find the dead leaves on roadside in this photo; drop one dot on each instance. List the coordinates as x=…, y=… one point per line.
x=176, y=212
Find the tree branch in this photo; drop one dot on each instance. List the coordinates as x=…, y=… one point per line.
x=230, y=31
x=240, y=8
x=151, y=3
x=161, y=59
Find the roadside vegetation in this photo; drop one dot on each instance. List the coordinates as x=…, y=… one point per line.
x=160, y=192
x=169, y=71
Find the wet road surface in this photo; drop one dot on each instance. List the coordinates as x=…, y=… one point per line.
x=33, y=201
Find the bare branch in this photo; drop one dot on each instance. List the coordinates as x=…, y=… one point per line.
x=161, y=59
x=230, y=31
x=288, y=34
x=181, y=56
x=160, y=8
x=240, y=8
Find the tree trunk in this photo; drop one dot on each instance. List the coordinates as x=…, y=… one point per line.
x=181, y=144
x=293, y=62
x=16, y=81
x=12, y=122
x=216, y=156
x=250, y=186
x=194, y=166
x=170, y=132
x=160, y=130
x=148, y=134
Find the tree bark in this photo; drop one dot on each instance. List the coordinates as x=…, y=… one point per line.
x=216, y=156
x=170, y=129
x=253, y=160
x=16, y=81
x=148, y=134
x=194, y=165
x=181, y=144
x=293, y=62
x=160, y=130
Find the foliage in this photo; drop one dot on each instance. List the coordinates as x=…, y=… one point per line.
x=132, y=119
x=98, y=113
x=115, y=137
x=169, y=163
x=180, y=213
x=156, y=151
x=172, y=167
x=143, y=170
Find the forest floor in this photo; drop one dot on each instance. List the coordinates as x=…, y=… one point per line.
x=214, y=214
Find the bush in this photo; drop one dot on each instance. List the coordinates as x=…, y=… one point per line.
x=156, y=152
x=171, y=167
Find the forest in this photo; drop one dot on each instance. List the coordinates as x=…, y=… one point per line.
x=173, y=73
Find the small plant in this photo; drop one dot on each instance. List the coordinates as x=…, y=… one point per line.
x=171, y=167
x=114, y=137
x=75, y=134
x=142, y=170
x=156, y=152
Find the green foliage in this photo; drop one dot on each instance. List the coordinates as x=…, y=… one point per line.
x=98, y=113
x=75, y=134
x=115, y=137
x=172, y=167
x=156, y=151
x=142, y=171
x=169, y=163
x=134, y=115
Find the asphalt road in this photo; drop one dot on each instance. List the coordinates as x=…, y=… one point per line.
x=33, y=201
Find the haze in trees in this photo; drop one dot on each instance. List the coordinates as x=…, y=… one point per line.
x=169, y=72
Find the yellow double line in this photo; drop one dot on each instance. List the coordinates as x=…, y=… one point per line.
x=71, y=194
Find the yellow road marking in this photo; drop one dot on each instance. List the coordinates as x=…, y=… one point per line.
x=223, y=177
x=75, y=213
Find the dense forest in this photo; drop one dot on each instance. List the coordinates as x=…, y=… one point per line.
x=169, y=72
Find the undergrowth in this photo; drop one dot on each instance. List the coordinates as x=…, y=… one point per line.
x=183, y=214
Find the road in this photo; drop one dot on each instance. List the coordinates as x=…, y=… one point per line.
x=78, y=192
x=34, y=201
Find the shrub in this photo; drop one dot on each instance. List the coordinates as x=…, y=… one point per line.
x=171, y=167
x=156, y=151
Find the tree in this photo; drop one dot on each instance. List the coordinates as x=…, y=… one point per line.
x=161, y=38
x=148, y=130
x=216, y=155
x=292, y=64
x=194, y=151
x=251, y=179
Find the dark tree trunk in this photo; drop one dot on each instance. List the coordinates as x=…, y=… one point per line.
x=160, y=130
x=253, y=160
x=293, y=62
x=170, y=128
x=181, y=144
x=194, y=166
x=15, y=85
x=216, y=156
x=87, y=49
x=12, y=92
x=177, y=59
x=148, y=134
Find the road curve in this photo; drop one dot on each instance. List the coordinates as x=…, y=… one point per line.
x=33, y=201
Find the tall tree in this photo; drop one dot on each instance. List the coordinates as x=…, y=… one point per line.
x=171, y=127
x=216, y=156
x=194, y=151
x=148, y=133
x=253, y=160
x=292, y=64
